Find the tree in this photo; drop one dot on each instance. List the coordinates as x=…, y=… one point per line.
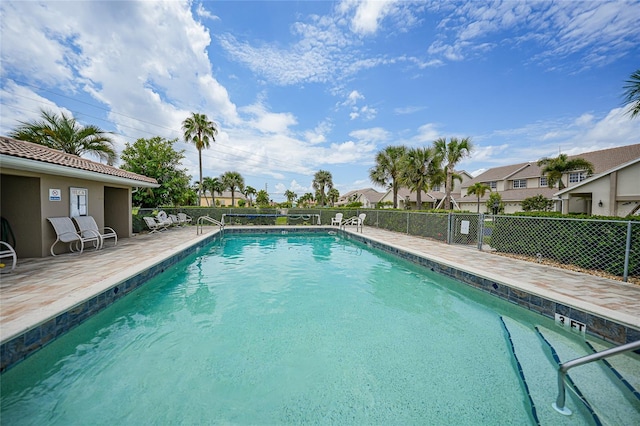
x=478, y=189
x=249, y=192
x=262, y=198
x=232, y=181
x=452, y=153
x=418, y=169
x=201, y=131
x=388, y=168
x=322, y=180
x=305, y=200
x=537, y=203
x=632, y=94
x=291, y=196
x=156, y=158
x=333, y=195
x=494, y=203
x=212, y=185
x=65, y=134
x=554, y=168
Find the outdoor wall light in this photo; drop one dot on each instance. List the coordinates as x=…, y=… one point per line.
x=600, y=203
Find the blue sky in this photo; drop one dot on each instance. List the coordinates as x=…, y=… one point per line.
x=297, y=87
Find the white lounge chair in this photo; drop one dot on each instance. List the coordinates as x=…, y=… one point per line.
x=88, y=226
x=154, y=225
x=66, y=233
x=7, y=251
x=337, y=220
x=184, y=218
x=164, y=219
x=175, y=220
x=358, y=221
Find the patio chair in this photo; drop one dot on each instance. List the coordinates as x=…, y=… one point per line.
x=175, y=220
x=337, y=220
x=358, y=221
x=154, y=225
x=87, y=226
x=66, y=233
x=164, y=219
x=7, y=251
x=184, y=218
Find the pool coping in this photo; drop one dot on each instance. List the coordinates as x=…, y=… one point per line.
x=22, y=343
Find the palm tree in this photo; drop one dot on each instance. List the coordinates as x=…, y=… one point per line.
x=232, y=181
x=452, y=153
x=306, y=199
x=388, y=168
x=479, y=189
x=249, y=192
x=212, y=185
x=65, y=134
x=199, y=130
x=321, y=180
x=554, y=168
x=291, y=196
x=632, y=94
x=333, y=195
x=419, y=167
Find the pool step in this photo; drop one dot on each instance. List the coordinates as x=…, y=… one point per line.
x=607, y=395
x=539, y=375
x=625, y=366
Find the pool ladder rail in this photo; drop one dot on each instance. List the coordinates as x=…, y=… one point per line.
x=565, y=366
x=208, y=219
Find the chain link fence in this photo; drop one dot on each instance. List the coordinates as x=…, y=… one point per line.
x=610, y=246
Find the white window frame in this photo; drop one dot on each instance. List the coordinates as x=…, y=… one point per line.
x=575, y=177
x=493, y=184
x=544, y=182
x=519, y=183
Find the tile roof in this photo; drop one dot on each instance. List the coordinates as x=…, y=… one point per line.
x=31, y=151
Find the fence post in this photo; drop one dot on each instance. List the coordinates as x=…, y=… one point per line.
x=627, y=253
x=449, y=227
x=407, y=223
x=480, y=230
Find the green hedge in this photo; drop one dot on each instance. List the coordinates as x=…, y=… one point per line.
x=593, y=244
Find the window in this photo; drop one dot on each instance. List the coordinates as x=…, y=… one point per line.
x=544, y=182
x=576, y=177
x=493, y=184
x=519, y=183
x=436, y=188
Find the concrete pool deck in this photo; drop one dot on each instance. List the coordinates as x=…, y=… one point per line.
x=40, y=289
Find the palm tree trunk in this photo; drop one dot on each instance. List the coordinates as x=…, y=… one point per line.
x=419, y=200
x=447, y=201
x=395, y=196
x=200, y=187
x=478, y=203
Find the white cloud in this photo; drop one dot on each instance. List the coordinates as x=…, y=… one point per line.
x=374, y=134
x=597, y=32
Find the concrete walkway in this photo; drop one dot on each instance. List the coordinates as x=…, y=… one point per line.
x=40, y=289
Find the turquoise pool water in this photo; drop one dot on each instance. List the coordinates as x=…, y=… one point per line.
x=280, y=330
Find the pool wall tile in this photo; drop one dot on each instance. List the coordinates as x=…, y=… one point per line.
x=596, y=326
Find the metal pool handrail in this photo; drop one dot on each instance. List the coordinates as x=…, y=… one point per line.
x=564, y=367
x=209, y=219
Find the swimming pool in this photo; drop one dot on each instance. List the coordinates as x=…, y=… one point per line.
x=282, y=329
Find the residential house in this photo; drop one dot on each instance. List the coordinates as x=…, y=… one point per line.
x=222, y=200
x=37, y=182
x=612, y=190
x=431, y=199
x=369, y=198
